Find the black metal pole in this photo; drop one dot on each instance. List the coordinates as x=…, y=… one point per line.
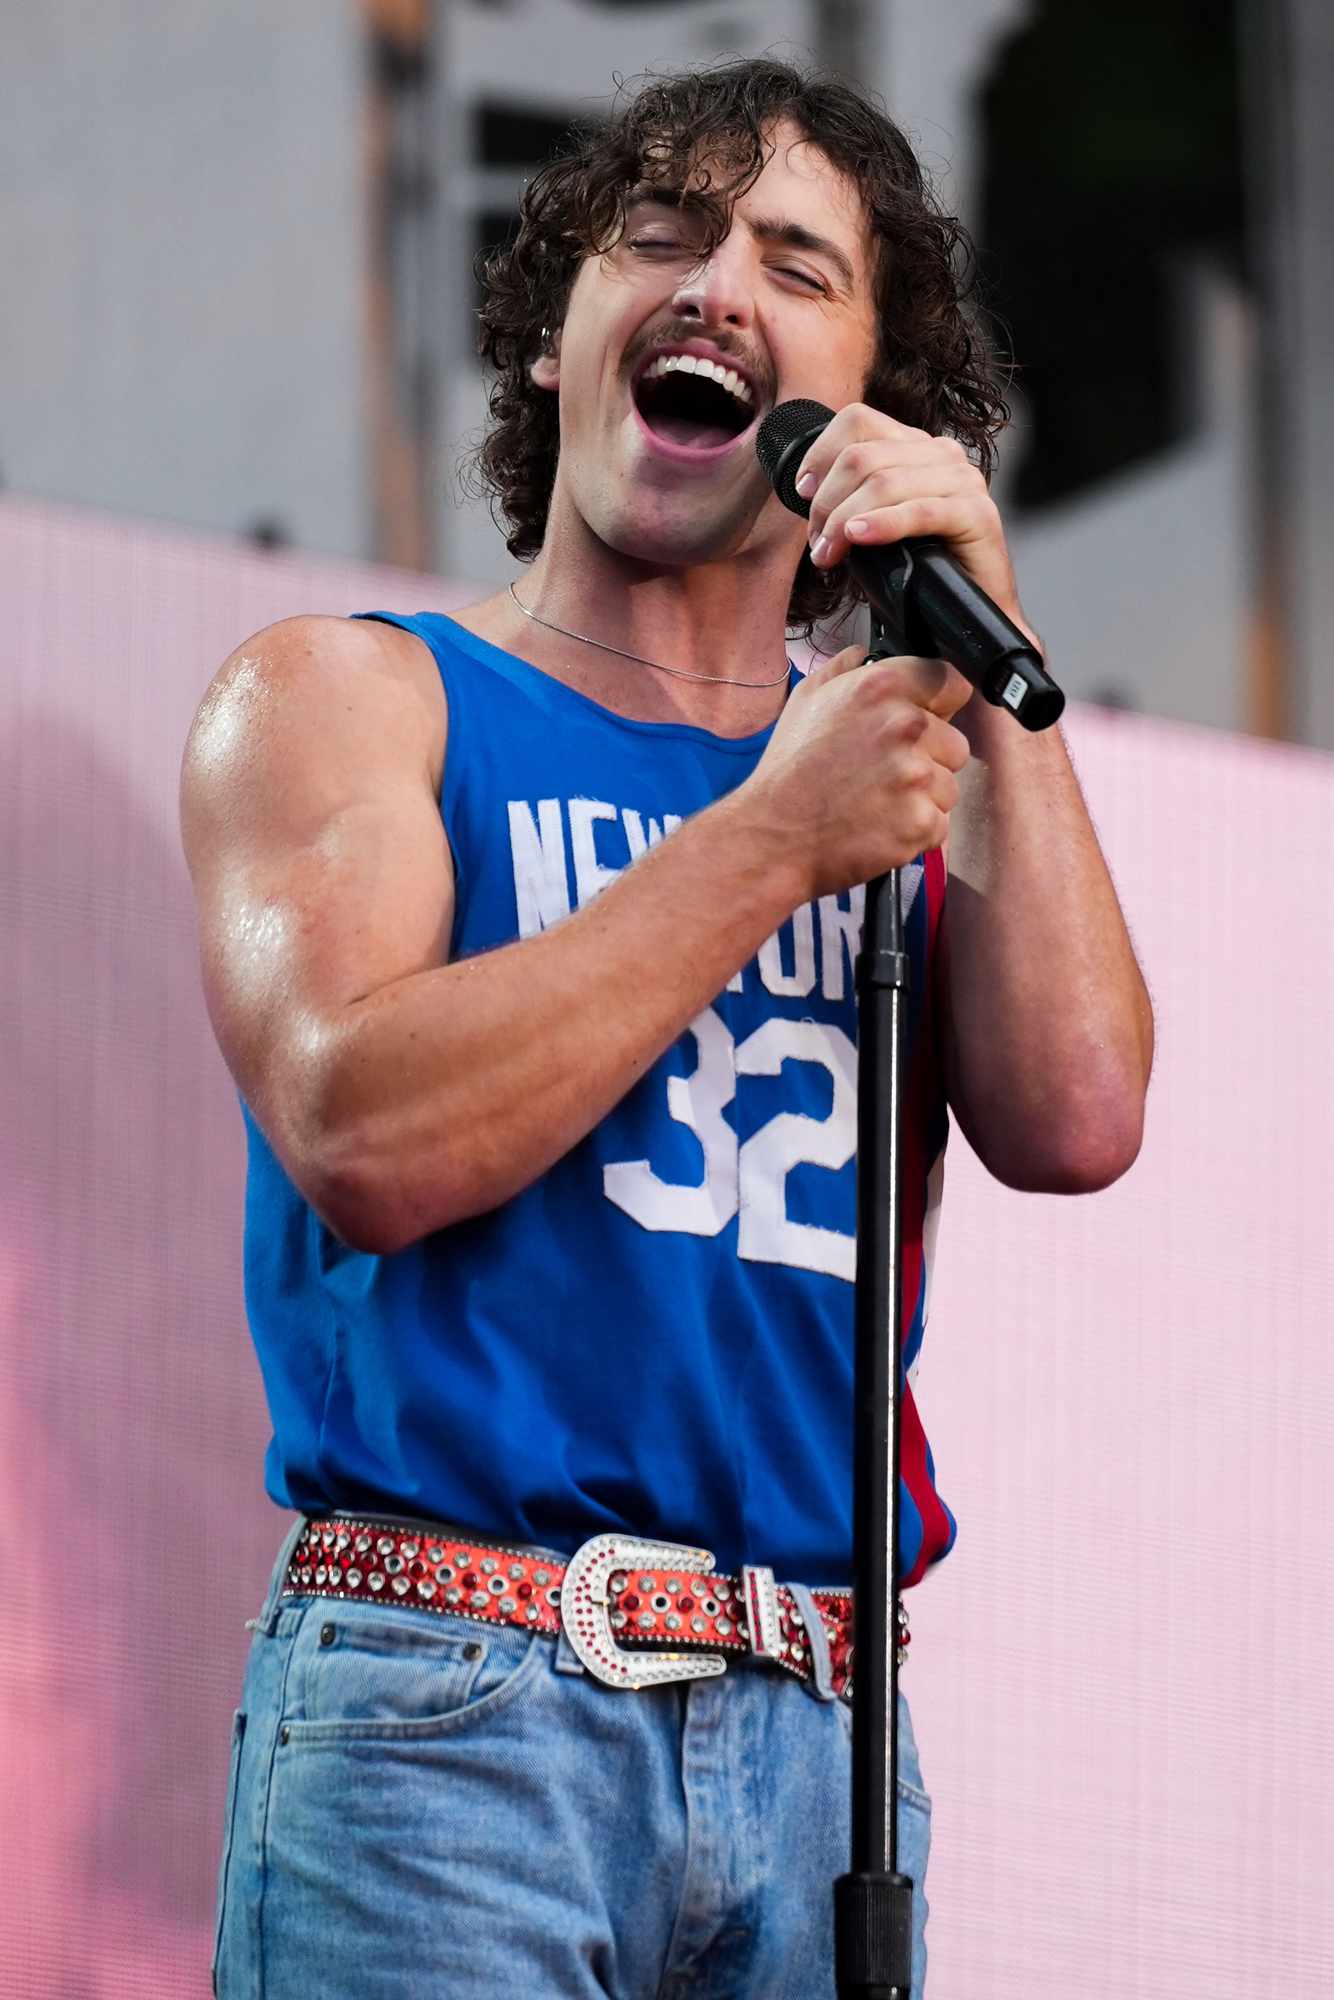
x=873, y=1902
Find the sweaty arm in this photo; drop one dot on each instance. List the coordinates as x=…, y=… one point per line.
x=403, y=1092
x=1049, y=1031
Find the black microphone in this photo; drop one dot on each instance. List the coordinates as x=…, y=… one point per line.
x=925, y=602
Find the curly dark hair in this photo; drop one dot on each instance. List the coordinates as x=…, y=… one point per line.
x=705, y=131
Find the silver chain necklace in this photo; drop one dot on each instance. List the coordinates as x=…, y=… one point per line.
x=714, y=680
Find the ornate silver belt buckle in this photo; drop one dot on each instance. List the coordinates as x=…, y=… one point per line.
x=585, y=1609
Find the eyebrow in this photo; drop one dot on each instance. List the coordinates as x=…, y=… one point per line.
x=796, y=236
x=775, y=229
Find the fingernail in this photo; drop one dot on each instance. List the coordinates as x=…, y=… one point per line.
x=819, y=549
x=857, y=527
x=806, y=485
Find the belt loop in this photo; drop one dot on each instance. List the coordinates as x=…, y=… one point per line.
x=567, y=1660
x=267, y=1620
x=817, y=1640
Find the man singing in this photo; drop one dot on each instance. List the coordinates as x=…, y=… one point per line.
x=529, y=935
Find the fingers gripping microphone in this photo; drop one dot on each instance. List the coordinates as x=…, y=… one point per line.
x=926, y=602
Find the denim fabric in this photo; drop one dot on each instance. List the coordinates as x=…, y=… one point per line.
x=419, y=1806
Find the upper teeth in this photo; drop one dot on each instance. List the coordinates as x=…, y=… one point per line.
x=695, y=364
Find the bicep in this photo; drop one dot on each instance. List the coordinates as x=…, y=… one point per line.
x=311, y=824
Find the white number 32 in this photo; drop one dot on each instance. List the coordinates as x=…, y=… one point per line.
x=749, y=1177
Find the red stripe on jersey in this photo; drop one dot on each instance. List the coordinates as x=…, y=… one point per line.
x=923, y=1109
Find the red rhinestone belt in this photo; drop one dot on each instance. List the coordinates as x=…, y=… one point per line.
x=619, y=1601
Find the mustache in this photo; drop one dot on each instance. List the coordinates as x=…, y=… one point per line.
x=677, y=332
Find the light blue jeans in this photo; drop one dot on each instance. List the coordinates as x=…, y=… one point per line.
x=420, y=1808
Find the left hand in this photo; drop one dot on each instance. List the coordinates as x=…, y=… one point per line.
x=877, y=480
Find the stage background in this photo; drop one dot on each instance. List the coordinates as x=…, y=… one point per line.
x=1122, y=1677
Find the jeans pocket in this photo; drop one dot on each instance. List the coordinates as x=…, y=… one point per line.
x=228, y=1826
x=363, y=1674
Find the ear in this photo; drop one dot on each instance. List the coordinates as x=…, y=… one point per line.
x=545, y=367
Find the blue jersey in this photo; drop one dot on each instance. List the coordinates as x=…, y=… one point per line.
x=655, y=1337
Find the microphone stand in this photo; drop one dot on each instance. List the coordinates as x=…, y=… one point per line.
x=873, y=1902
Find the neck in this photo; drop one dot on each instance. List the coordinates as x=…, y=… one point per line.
x=722, y=619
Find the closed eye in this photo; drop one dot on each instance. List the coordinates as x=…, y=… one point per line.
x=674, y=245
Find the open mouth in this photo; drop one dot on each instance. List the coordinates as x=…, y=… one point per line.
x=691, y=402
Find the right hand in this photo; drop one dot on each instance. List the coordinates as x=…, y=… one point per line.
x=860, y=773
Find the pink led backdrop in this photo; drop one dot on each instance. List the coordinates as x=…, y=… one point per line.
x=1123, y=1677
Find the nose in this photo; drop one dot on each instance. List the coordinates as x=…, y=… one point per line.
x=719, y=291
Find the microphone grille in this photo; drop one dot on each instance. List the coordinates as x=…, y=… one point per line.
x=788, y=424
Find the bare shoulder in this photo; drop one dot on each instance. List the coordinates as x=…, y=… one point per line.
x=313, y=668
x=311, y=825
x=315, y=694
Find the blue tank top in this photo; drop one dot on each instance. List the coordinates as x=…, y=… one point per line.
x=656, y=1336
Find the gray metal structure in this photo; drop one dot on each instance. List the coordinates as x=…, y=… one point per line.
x=204, y=324
x=182, y=233
x=1288, y=96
